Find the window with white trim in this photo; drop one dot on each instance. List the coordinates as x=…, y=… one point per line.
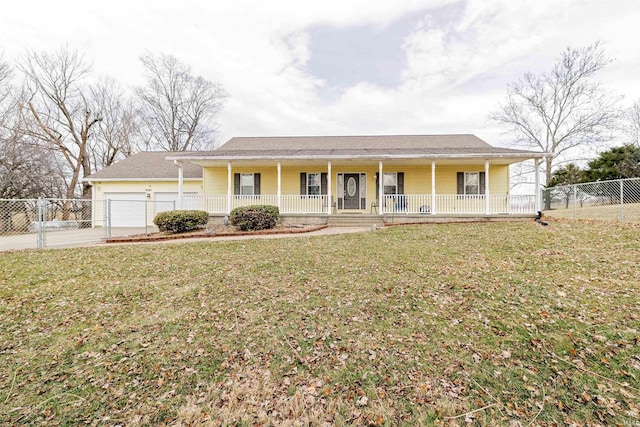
x=247, y=184
x=471, y=183
x=390, y=183
x=313, y=184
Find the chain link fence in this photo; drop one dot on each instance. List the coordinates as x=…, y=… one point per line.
x=41, y=223
x=44, y=223
x=123, y=216
x=602, y=200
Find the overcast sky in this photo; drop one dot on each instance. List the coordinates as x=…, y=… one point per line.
x=342, y=67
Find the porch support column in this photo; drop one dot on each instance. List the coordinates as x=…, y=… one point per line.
x=486, y=188
x=229, y=181
x=180, y=182
x=329, y=200
x=537, y=185
x=433, y=187
x=279, y=196
x=380, y=189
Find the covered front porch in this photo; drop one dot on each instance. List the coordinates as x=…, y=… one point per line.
x=460, y=186
x=420, y=204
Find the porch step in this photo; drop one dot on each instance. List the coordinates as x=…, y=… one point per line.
x=356, y=220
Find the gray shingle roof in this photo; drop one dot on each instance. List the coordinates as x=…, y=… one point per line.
x=147, y=165
x=154, y=164
x=356, y=146
x=374, y=142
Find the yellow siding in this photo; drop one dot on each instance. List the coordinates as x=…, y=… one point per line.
x=142, y=186
x=417, y=179
x=447, y=178
x=215, y=179
x=150, y=187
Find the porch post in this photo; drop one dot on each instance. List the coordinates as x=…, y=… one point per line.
x=380, y=189
x=229, y=180
x=180, y=182
x=279, y=187
x=486, y=188
x=433, y=187
x=329, y=201
x=537, y=185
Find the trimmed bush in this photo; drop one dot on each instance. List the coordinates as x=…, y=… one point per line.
x=255, y=217
x=181, y=220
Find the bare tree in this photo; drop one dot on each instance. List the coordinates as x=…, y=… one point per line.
x=5, y=78
x=5, y=89
x=631, y=126
x=27, y=171
x=62, y=117
x=115, y=136
x=178, y=108
x=561, y=111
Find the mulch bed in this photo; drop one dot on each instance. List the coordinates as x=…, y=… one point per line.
x=216, y=231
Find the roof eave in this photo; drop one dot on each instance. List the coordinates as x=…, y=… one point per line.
x=524, y=156
x=90, y=180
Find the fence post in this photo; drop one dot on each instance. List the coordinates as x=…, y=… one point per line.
x=146, y=213
x=41, y=218
x=108, y=218
x=621, y=200
x=575, y=201
x=104, y=217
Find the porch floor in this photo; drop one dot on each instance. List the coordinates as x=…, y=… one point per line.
x=367, y=220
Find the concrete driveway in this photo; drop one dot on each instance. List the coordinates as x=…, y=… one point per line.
x=95, y=236
x=65, y=238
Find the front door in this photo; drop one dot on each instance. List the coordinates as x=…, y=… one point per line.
x=351, y=191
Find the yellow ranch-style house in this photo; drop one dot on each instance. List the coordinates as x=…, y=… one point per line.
x=313, y=178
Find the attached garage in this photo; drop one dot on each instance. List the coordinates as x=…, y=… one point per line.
x=127, y=209
x=139, y=187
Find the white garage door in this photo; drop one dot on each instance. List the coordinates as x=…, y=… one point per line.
x=168, y=202
x=127, y=209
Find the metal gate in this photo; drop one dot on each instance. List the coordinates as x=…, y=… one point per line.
x=46, y=223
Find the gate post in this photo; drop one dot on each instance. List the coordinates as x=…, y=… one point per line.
x=41, y=219
x=108, y=218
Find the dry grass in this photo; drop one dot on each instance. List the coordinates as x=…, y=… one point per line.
x=503, y=324
x=631, y=212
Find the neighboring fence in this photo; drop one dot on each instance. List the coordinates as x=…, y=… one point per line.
x=607, y=200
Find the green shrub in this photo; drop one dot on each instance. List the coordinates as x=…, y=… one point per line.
x=256, y=217
x=181, y=220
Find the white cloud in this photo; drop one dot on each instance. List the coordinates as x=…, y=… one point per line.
x=458, y=63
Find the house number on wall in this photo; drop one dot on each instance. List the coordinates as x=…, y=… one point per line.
x=351, y=187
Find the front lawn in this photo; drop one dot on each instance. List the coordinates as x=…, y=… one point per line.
x=505, y=324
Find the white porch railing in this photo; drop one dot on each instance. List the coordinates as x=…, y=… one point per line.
x=222, y=204
x=459, y=204
x=446, y=204
x=304, y=204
